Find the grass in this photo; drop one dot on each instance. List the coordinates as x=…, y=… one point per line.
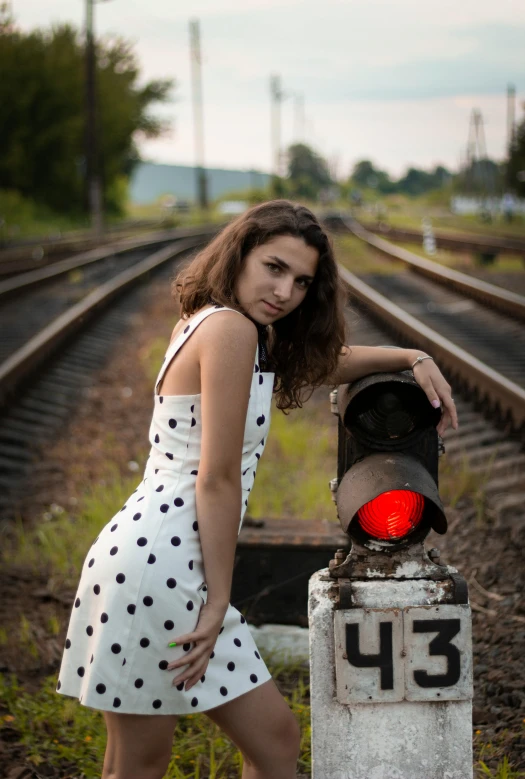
x=400, y=211
x=60, y=542
x=359, y=258
x=22, y=218
x=503, y=768
x=57, y=731
x=299, y=461
x=151, y=357
x=155, y=211
x=457, y=482
x=504, y=263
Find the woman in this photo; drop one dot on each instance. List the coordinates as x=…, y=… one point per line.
x=152, y=634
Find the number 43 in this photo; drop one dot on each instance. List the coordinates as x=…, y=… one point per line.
x=416, y=653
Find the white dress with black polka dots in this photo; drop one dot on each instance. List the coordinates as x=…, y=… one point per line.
x=142, y=581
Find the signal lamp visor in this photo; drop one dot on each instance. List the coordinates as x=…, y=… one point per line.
x=392, y=514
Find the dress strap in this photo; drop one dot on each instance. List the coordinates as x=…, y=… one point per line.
x=183, y=336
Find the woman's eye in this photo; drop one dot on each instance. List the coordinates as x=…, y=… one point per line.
x=272, y=266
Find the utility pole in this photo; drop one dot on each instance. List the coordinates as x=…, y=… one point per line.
x=511, y=114
x=511, y=131
x=94, y=186
x=299, y=118
x=198, y=115
x=276, y=100
x=477, y=152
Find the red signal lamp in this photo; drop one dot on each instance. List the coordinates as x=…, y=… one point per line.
x=392, y=514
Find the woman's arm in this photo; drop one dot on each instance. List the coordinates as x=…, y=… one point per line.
x=358, y=361
x=226, y=347
x=226, y=354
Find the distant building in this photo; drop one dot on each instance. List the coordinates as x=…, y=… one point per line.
x=151, y=180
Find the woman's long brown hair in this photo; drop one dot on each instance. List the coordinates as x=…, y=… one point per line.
x=304, y=346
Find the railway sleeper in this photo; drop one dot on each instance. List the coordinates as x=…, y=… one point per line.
x=506, y=483
x=479, y=439
x=45, y=407
x=486, y=453
x=500, y=464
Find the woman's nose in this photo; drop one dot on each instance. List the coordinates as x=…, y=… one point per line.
x=283, y=290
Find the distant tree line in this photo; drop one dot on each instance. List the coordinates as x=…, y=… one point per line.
x=309, y=176
x=42, y=120
x=414, y=182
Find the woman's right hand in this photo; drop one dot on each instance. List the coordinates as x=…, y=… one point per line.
x=204, y=638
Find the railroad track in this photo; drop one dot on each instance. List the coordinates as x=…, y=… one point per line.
x=53, y=356
x=31, y=254
x=474, y=329
x=480, y=244
x=40, y=307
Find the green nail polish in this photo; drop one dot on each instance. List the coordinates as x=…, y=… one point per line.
x=173, y=643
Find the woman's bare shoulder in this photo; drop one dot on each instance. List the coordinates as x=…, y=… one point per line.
x=227, y=330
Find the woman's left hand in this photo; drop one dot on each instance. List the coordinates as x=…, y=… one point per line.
x=438, y=391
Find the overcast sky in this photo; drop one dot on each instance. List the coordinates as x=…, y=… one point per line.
x=390, y=80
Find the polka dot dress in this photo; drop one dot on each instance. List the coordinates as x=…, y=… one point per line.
x=142, y=582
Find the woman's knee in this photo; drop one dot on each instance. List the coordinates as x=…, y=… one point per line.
x=138, y=746
x=282, y=744
x=290, y=737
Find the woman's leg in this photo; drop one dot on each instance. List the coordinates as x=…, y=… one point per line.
x=262, y=726
x=138, y=746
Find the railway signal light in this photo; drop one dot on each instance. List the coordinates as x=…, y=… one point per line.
x=387, y=480
x=390, y=627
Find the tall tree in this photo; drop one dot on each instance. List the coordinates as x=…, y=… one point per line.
x=308, y=172
x=42, y=121
x=365, y=174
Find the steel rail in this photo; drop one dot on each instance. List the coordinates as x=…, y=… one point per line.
x=12, y=252
x=502, y=300
x=460, y=241
x=503, y=398
x=22, y=362
x=30, y=278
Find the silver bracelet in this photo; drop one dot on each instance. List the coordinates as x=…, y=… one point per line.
x=420, y=359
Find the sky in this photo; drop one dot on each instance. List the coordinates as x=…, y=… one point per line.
x=394, y=81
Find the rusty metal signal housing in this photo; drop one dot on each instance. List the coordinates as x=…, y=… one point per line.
x=387, y=441
x=388, y=471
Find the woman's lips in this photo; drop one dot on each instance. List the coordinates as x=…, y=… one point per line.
x=272, y=309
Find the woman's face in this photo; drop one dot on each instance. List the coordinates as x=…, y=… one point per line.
x=275, y=278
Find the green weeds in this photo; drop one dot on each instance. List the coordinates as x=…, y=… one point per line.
x=358, y=257
x=58, y=731
x=503, y=770
x=60, y=542
x=508, y=263
x=151, y=357
x=299, y=461
x=458, y=482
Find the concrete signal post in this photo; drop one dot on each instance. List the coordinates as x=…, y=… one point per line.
x=390, y=627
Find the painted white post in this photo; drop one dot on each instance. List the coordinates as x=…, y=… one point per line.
x=405, y=713
x=429, y=240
